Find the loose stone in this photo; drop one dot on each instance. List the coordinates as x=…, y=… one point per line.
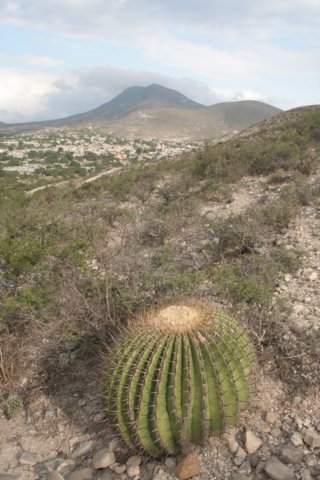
x=99, y=417
x=312, y=439
x=133, y=471
x=271, y=417
x=84, y=449
x=103, y=459
x=277, y=470
x=239, y=476
x=118, y=469
x=134, y=461
x=306, y=475
x=233, y=445
x=188, y=467
x=296, y=439
x=55, y=476
x=83, y=474
x=66, y=466
x=28, y=458
x=252, y=443
x=245, y=468
x=291, y=454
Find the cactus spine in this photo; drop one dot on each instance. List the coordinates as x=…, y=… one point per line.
x=185, y=373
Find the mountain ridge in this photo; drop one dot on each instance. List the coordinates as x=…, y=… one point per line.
x=146, y=110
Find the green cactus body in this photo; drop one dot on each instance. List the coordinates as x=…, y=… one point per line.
x=183, y=375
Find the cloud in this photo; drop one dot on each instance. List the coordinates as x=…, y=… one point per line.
x=23, y=95
x=236, y=50
x=41, y=60
x=30, y=97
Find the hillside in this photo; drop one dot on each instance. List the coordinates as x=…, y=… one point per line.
x=235, y=224
x=159, y=112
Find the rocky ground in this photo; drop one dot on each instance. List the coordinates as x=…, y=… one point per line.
x=63, y=434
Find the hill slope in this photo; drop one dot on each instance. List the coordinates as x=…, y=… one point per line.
x=235, y=224
x=157, y=111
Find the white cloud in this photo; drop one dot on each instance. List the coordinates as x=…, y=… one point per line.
x=41, y=60
x=237, y=50
x=23, y=95
x=26, y=96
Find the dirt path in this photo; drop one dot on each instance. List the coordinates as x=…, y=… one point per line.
x=244, y=194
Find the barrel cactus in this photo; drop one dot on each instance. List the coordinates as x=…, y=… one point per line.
x=178, y=376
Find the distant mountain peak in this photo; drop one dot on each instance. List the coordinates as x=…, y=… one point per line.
x=158, y=111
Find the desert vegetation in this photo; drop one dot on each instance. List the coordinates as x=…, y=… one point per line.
x=78, y=262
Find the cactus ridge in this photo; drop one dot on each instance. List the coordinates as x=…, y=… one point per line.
x=167, y=388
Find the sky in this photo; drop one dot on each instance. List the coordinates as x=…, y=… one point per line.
x=60, y=57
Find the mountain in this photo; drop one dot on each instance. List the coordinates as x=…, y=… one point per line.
x=156, y=111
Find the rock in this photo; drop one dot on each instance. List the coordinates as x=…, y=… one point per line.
x=113, y=444
x=66, y=466
x=277, y=470
x=103, y=459
x=312, y=438
x=133, y=471
x=313, y=276
x=254, y=459
x=306, y=475
x=241, y=453
x=118, y=469
x=83, y=474
x=271, y=417
x=298, y=308
x=276, y=432
x=239, y=476
x=296, y=439
x=159, y=474
x=252, y=443
x=6, y=476
x=245, y=468
x=134, y=461
x=291, y=454
x=297, y=400
x=99, y=417
x=170, y=462
x=188, y=467
x=84, y=449
x=55, y=476
x=28, y=458
x=108, y=475
x=233, y=445
x=238, y=461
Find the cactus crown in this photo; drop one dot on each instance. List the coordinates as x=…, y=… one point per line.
x=181, y=375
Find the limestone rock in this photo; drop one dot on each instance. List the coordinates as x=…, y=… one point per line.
x=84, y=449
x=291, y=454
x=312, y=439
x=188, y=467
x=118, y=468
x=134, y=461
x=83, y=474
x=103, y=459
x=252, y=443
x=55, y=476
x=296, y=439
x=271, y=417
x=277, y=470
x=28, y=458
x=133, y=471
